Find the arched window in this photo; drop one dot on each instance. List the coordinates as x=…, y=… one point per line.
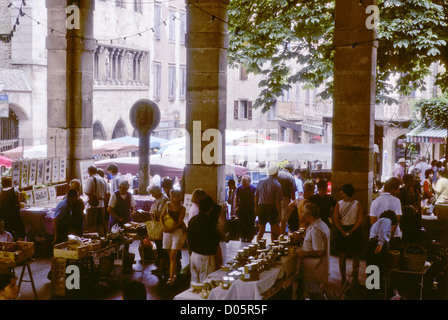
x=119, y=130
x=98, y=131
x=407, y=150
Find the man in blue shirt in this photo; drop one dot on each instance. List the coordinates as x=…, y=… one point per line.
x=63, y=222
x=268, y=199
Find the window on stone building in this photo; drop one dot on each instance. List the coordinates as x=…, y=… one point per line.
x=242, y=109
x=120, y=3
x=272, y=113
x=98, y=131
x=157, y=80
x=157, y=20
x=119, y=130
x=182, y=82
x=172, y=25
x=243, y=72
x=171, y=82
x=96, y=65
x=138, y=6
x=183, y=26
x=9, y=129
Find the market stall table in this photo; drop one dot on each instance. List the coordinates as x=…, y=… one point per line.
x=271, y=281
x=421, y=274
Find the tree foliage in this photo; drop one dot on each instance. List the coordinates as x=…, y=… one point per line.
x=432, y=112
x=268, y=36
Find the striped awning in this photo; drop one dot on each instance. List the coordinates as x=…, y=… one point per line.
x=433, y=135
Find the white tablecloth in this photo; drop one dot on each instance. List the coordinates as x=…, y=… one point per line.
x=250, y=290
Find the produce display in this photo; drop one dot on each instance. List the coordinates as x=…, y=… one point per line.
x=250, y=262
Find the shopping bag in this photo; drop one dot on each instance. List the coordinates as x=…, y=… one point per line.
x=154, y=229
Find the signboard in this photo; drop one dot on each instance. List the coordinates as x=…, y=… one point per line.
x=47, y=171
x=33, y=172
x=62, y=168
x=16, y=166
x=4, y=106
x=24, y=179
x=40, y=172
x=55, y=171
x=83, y=166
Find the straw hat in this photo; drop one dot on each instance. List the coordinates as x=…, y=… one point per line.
x=402, y=160
x=272, y=171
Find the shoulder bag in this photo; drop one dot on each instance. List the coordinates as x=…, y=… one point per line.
x=93, y=199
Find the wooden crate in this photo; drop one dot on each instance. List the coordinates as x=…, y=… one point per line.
x=62, y=250
x=15, y=253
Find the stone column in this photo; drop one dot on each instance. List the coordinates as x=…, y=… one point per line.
x=207, y=44
x=70, y=84
x=354, y=100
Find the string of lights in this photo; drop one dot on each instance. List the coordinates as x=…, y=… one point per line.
x=7, y=37
x=110, y=40
x=213, y=18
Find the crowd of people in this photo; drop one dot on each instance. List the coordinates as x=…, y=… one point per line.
x=287, y=199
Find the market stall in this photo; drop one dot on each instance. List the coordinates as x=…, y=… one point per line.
x=256, y=273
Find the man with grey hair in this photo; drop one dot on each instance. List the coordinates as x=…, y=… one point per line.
x=314, y=262
x=96, y=187
x=244, y=208
x=155, y=212
x=121, y=205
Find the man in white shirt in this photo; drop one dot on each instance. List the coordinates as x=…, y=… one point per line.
x=423, y=166
x=95, y=186
x=5, y=236
x=315, y=254
x=387, y=201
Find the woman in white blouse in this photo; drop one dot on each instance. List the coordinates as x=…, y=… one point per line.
x=441, y=187
x=348, y=219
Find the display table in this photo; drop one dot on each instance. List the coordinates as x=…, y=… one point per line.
x=271, y=281
x=38, y=219
x=421, y=274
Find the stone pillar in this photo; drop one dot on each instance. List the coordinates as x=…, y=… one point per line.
x=70, y=84
x=354, y=100
x=207, y=44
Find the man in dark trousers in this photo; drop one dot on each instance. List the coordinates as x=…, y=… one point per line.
x=10, y=209
x=289, y=189
x=268, y=199
x=244, y=208
x=203, y=239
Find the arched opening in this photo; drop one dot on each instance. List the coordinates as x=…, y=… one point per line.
x=98, y=131
x=9, y=132
x=119, y=130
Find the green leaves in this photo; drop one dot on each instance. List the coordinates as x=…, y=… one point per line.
x=291, y=41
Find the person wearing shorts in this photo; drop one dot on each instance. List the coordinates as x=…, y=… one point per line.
x=268, y=199
x=95, y=186
x=174, y=231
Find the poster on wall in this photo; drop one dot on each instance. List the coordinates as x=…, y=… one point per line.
x=62, y=169
x=55, y=170
x=29, y=197
x=16, y=166
x=83, y=166
x=24, y=174
x=47, y=172
x=52, y=193
x=40, y=195
x=33, y=172
x=40, y=172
